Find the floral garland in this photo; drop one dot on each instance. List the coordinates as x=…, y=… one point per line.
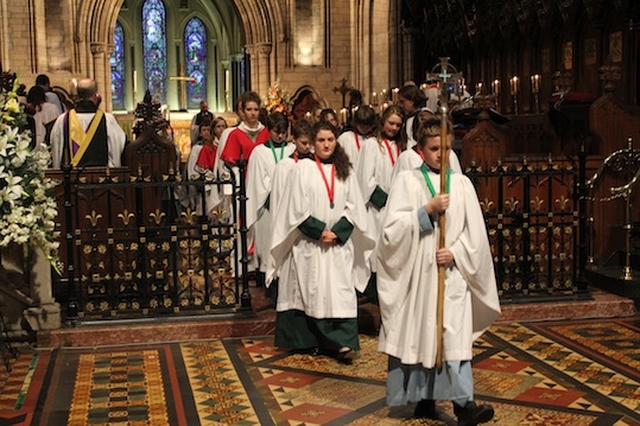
x=27, y=208
x=277, y=99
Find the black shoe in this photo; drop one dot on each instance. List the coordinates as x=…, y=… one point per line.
x=426, y=409
x=346, y=357
x=472, y=414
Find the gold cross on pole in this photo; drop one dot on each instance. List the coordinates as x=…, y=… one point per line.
x=182, y=92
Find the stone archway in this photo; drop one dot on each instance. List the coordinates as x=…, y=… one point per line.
x=95, y=21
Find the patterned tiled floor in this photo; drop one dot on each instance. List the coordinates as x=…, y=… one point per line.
x=565, y=373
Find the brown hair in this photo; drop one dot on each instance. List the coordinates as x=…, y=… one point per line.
x=247, y=97
x=339, y=158
x=401, y=137
x=432, y=128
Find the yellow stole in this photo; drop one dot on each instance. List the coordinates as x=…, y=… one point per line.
x=79, y=139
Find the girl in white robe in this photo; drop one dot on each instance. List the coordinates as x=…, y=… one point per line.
x=323, y=224
x=264, y=159
x=408, y=284
x=351, y=141
x=376, y=162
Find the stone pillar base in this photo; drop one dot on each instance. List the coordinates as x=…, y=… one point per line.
x=45, y=317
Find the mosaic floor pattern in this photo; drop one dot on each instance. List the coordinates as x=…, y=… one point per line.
x=536, y=374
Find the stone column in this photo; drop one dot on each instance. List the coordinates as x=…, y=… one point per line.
x=45, y=312
x=264, y=50
x=227, y=85
x=100, y=66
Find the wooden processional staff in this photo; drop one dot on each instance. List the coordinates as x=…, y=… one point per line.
x=444, y=164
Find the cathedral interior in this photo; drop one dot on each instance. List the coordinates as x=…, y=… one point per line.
x=152, y=320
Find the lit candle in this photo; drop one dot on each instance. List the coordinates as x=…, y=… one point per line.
x=384, y=95
x=515, y=85
x=74, y=86
x=395, y=91
x=227, y=81
x=384, y=107
x=535, y=83
x=479, y=88
x=495, y=87
x=307, y=115
x=343, y=116
x=135, y=82
x=374, y=98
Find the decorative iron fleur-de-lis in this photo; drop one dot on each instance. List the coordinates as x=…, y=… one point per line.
x=219, y=213
x=562, y=202
x=536, y=203
x=511, y=204
x=486, y=205
x=93, y=218
x=157, y=216
x=189, y=215
x=126, y=217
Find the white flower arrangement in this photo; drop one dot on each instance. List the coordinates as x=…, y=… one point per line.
x=27, y=208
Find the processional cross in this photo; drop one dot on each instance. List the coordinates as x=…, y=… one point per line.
x=182, y=92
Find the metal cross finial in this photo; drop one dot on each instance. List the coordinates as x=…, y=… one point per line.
x=444, y=64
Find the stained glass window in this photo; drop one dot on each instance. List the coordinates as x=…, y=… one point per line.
x=117, y=68
x=195, y=48
x=154, y=45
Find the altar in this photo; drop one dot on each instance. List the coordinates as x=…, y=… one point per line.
x=179, y=121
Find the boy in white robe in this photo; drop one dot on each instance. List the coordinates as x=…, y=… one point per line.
x=323, y=224
x=409, y=256
x=284, y=288
x=412, y=158
x=264, y=159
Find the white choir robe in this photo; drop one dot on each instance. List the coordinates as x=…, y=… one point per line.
x=327, y=275
x=409, y=159
x=348, y=142
x=408, y=273
x=259, y=173
x=374, y=169
x=288, y=288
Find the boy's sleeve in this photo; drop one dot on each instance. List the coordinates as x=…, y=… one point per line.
x=426, y=224
x=312, y=227
x=343, y=229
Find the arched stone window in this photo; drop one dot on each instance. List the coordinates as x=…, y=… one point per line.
x=118, y=76
x=195, y=50
x=154, y=45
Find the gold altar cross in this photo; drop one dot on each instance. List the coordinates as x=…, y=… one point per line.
x=182, y=93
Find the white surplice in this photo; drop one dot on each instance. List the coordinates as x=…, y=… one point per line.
x=408, y=273
x=374, y=169
x=259, y=173
x=328, y=275
x=352, y=143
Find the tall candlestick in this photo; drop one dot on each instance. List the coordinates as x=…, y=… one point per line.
x=135, y=84
x=514, y=85
x=535, y=83
x=495, y=87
